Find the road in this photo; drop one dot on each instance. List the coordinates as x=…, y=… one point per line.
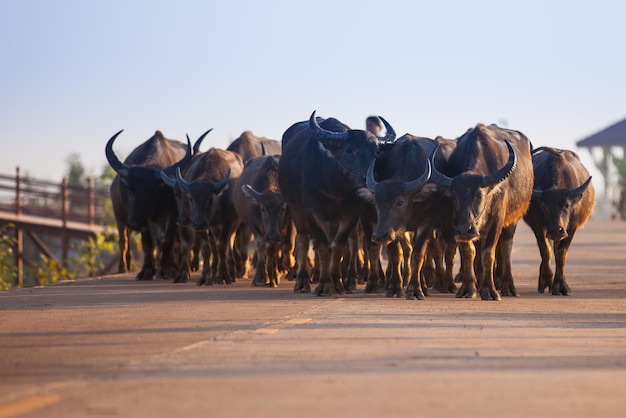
x=113, y=346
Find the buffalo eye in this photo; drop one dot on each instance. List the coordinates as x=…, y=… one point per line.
x=399, y=203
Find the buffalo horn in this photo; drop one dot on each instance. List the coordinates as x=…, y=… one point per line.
x=196, y=145
x=420, y=181
x=167, y=179
x=370, y=182
x=504, y=172
x=436, y=176
x=390, y=135
x=324, y=134
x=222, y=183
x=119, y=167
x=182, y=164
x=249, y=191
x=580, y=189
x=182, y=183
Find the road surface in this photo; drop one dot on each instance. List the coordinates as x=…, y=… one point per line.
x=113, y=346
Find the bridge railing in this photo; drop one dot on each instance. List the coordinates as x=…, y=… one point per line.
x=36, y=197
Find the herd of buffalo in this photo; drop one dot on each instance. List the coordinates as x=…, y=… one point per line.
x=350, y=193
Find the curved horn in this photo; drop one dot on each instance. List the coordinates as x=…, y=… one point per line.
x=322, y=133
x=580, y=189
x=370, y=182
x=182, y=164
x=250, y=192
x=167, y=179
x=182, y=183
x=437, y=177
x=420, y=181
x=390, y=135
x=222, y=183
x=119, y=167
x=196, y=145
x=504, y=172
x=263, y=152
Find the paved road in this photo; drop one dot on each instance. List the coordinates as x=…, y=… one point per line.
x=117, y=347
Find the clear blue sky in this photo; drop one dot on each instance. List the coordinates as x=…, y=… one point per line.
x=72, y=73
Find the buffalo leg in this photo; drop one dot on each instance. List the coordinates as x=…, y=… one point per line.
x=186, y=238
x=394, y=257
x=448, y=277
x=560, y=257
x=505, y=246
x=545, y=271
x=468, y=277
x=260, y=276
x=488, y=289
x=303, y=281
x=147, y=270
x=415, y=289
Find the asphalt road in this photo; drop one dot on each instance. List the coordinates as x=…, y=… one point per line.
x=113, y=346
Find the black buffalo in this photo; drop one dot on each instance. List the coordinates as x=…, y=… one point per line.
x=207, y=185
x=562, y=201
x=490, y=177
x=262, y=208
x=406, y=202
x=321, y=173
x=189, y=241
x=142, y=202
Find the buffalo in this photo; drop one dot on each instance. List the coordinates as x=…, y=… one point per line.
x=142, y=202
x=321, y=173
x=562, y=201
x=489, y=176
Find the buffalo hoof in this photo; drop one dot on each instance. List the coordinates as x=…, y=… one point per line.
x=273, y=283
x=399, y=293
x=466, y=291
x=413, y=293
x=181, y=279
x=489, y=294
x=145, y=274
x=207, y=281
x=562, y=288
x=372, y=286
x=509, y=290
x=325, y=288
x=544, y=284
x=302, y=286
x=458, y=278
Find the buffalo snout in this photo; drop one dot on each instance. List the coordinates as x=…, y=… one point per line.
x=556, y=233
x=381, y=238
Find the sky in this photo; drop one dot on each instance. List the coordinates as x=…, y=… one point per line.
x=73, y=73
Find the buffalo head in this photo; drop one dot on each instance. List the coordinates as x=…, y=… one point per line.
x=202, y=195
x=470, y=193
x=353, y=149
x=273, y=211
x=144, y=184
x=556, y=206
x=394, y=201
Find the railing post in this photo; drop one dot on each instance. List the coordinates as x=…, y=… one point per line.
x=19, y=234
x=65, y=208
x=18, y=192
x=91, y=199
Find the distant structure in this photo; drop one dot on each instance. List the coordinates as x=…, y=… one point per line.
x=610, y=166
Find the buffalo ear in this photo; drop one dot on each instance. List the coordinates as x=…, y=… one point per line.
x=366, y=194
x=425, y=192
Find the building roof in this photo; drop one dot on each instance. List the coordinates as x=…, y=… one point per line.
x=614, y=135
